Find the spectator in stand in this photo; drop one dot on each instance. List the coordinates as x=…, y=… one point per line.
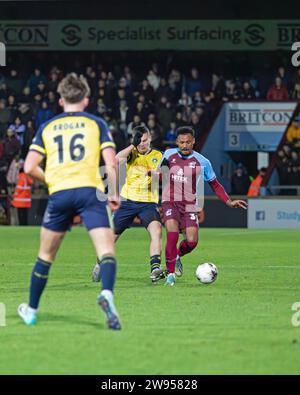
x=219, y=86
x=240, y=181
x=22, y=196
x=101, y=108
x=282, y=168
x=36, y=104
x=26, y=96
x=185, y=101
x=118, y=136
x=91, y=77
x=25, y=113
x=41, y=89
x=165, y=112
x=123, y=113
x=164, y=90
x=136, y=121
x=142, y=111
x=52, y=102
x=197, y=124
x=278, y=91
x=293, y=132
x=5, y=117
x=1, y=149
x=187, y=114
x=3, y=181
x=19, y=128
x=12, y=106
x=254, y=189
x=53, y=82
x=146, y=90
x=35, y=78
x=148, y=106
x=295, y=160
x=12, y=146
x=153, y=79
x=127, y=74
x=43, y=115
x=4, y=91
x=179, y=119
x=231, y=92
x=28, y=137
x=293, y=171
x=175, y=83
x=170, y=136
x=156, y=135
x=284, y=75
x=247, y=92
x=193, y=83
x=295, y=93
x=198, y=99
x=105, y=93
x=124, y=85
x=13, y=172
x=15, y=82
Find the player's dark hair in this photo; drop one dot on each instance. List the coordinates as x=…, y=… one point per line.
x=142, y=129
x=73, y=88
x=185, y=130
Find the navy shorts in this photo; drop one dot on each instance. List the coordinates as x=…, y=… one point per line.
x=124, y=216
x=87, y=202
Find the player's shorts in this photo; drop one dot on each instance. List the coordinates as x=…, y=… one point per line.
x=124, y=216
x=87, y=202
x=178, y=212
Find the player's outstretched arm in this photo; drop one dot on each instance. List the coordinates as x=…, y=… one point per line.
x=32, y=165
x=109, y=157
x=222, y=195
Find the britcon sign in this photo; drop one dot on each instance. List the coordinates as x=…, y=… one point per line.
x=275, y=213
x=258, y=117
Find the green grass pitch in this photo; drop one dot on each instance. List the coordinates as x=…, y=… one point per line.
x=241, y=324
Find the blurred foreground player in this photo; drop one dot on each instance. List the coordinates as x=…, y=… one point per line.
x=139, y=196
x=72, y=144
x=183, y=170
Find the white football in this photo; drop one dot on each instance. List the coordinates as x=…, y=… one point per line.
x=207, y=273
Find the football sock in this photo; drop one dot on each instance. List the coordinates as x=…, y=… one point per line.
x=155, y=262
x=171, y=250
x=39, y=277
x=108, y=268
x=186, y=247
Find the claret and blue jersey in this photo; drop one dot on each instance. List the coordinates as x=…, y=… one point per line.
x=184, y=173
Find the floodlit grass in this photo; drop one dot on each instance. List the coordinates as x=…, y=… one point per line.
x=241, y=324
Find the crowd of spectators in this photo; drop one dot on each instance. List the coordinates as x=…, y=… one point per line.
x=163, y=101
x=288, y=159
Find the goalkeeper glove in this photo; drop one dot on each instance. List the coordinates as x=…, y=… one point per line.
x=137, y=139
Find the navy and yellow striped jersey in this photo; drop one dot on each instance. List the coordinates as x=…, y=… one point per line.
x=72, y=144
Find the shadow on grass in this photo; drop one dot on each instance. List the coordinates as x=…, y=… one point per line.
x=72, y=319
